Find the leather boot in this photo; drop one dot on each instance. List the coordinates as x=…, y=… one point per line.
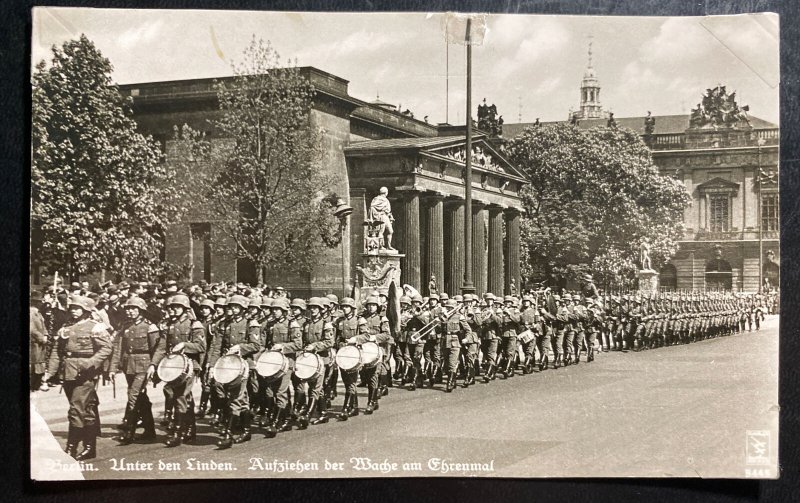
x=303, y=418
x=175, y=437
x=556, y=361
x=89, y=437
x=271, y=428
x=285, y=422
x=189, y=425
x=245, y=420
x=412, y=378
x=590, y=354
x=201, y=413
x=166, y=421
x=73, y=437
x=510, y=371
x=451, y=382
x=469, y=378
x=322, y=409
x=268, y=415
x=344, y=415
x=128, y=429
x=371, y=401
x=332, y=382
x=124, y=425
x=146, y=412
x=489, y=373
x=227, y=435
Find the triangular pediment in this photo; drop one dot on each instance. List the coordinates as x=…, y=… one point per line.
x=717, y=184
x=484, y=156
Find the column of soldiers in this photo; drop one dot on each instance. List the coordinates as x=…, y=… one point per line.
x=86, y=337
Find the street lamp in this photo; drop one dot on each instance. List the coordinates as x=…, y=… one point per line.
x=341, y=212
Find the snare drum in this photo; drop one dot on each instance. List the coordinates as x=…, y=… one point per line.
x=230, y=369
x=371, y=354
x=525, y=337
x=175, y=368
x=348, y=359
x=272, y=365
x=308, y=366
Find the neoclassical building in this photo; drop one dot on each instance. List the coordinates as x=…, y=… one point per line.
x=366, y=146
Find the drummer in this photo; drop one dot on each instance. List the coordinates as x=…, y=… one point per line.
x=529, y=320
x=318, y=336
x=180, y=335
x=207, y=311
x=216, y=329
x=299, y=308
x=374, y=327
x=240, y=337
x=259, y=400
x=285, y=336
x=331, y=370
x=347, y=329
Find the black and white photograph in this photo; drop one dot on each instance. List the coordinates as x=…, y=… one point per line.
x=362, y=245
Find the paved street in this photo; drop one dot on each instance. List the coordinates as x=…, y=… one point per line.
x=680, y=411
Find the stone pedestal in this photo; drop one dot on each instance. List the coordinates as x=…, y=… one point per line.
x=377, y=271
x=648, y=281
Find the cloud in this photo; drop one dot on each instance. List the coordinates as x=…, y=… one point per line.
x=142, y=34
x=682, y=38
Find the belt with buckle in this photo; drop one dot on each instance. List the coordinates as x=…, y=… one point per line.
x=71, y=354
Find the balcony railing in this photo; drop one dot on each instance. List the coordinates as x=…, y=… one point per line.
x=677, y=141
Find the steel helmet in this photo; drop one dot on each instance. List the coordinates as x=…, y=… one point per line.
x=208, y=303
x=451, y=303
x=372, y=299
x=282, y=303
x=298, y=302
x=136, y=302
x=255, y=301
x=332, y=298
x=316, y=301
x=179, y=300
x=348, y=301
x=239, y=300
x=405, y=300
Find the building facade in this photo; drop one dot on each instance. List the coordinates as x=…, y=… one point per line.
x=365, y=146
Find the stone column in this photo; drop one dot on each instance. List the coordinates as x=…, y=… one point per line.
x=512, y=250
x=409, y=244
x=434, y=249
x=454, y=246
x=479, y=260
x=496, y=273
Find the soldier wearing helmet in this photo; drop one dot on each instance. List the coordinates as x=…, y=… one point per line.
x=133, y=349
x=560, y=325
x=414, y=319
x=401, y=340
x=347, y=329
x=374, y=327
x=469, y=344
x=241, y=336
x=179, y=334
x=578, y=327
x=508, y=320
x=332, y=314
x=83, y=345
x=433, y=346
x=454, y=330
x=207, y=310
x=529, y=321
x=318, y=338
x=285, y=335
x=487, y=321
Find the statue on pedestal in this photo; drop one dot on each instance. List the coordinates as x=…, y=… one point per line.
x=649, y=123
x=644, y=255
x=432, y=285
x=380, y=216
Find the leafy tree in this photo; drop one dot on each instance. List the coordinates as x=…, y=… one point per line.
x=98, y=188
x=595, y=196
x=261, y=181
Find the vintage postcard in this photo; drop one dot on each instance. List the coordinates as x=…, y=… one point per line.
x=312, y=245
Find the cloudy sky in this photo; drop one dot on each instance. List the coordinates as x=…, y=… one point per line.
x=529, y=66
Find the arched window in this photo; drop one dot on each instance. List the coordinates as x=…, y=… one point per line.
x=719, y=275
x=668, y=277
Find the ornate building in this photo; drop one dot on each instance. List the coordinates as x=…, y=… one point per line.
x=590, y=95
x=728, y=162
x=366, y=146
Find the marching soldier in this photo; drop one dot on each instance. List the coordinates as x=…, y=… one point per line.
x=82, y=346
x=471, y=341
x=455, y=329
x=318, y=337
x=560, y=323
x=134, y=348
x=240, y=337
x=508, y=322
x=347, y=329
x=374, y=327
x=432, y=351
x=529, y=320
x=331, y=370
x=180, y=335
x=593, y=322
x=416, y=319
x=207, y=311
x=286, y=336
x=544, y=340
x=489, y=337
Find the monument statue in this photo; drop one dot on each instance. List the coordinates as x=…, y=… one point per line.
x=644, y=255
x=432, y=285
x=380, y=216
x=612, y=123
x=488, y=119
x=717, y=108
x=649, y=123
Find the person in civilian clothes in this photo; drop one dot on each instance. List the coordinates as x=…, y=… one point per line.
x=134, y=347
x=180, y=335
x=83, y=346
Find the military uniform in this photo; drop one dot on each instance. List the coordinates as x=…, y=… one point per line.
x=178, y=394
x=508, y=320
x=318, y=338
x=432, y=350
x=454, y=329
x=347, y=327
x=82, y=348
x=471, y=341
x=134, y=348
x=374, y=327
x=286, y=336
x=490, y=339
x=411, y=321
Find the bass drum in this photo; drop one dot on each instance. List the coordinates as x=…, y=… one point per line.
x=371, y=354
x=348, y=359
x=174, y=368
x=230, y=370
x=272, y=365
x=308, y=366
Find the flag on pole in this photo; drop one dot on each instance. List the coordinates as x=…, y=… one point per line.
x=393, y=310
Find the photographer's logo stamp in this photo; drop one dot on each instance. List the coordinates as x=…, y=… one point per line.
x=758, y=444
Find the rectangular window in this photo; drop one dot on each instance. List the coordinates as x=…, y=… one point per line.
x=770, y=211
x=718, y=213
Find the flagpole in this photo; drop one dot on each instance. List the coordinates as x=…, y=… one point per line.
x=468, y=285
